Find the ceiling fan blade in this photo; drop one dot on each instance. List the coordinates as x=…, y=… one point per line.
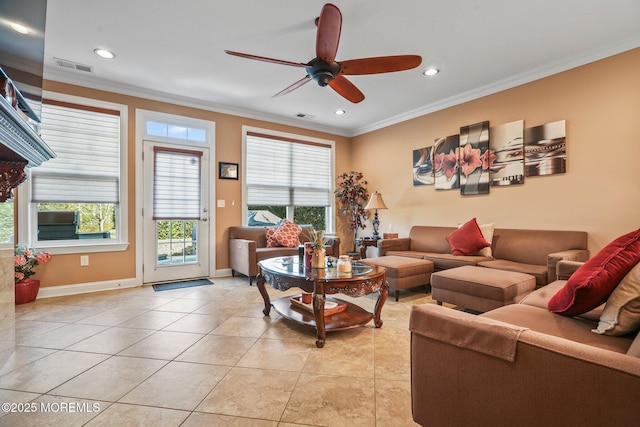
x=380, y=64
x=265, y=59
x=328, y=35
x=347, y=89
x=306, y=79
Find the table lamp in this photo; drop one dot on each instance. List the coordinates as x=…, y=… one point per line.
x=376, y=202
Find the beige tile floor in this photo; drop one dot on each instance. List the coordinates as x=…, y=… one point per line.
x=202, y=356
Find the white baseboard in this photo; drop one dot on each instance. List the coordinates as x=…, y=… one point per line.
x=225, y=272
x=84, y=288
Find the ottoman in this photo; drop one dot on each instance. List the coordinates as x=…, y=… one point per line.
x=403, y=272
x=480, y=288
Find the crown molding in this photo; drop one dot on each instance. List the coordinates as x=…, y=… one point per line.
x=509, y=83
x=73, y=78
x=51, y=73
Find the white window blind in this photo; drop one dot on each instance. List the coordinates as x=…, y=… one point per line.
x=176, y=184
x=284, y=172
x=86, y=168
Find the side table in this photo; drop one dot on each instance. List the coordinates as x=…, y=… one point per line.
x=364, y=243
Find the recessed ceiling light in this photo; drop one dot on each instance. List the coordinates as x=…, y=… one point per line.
x=19, y=28
x=339, y=112
x=431, y=71
x=105, y=53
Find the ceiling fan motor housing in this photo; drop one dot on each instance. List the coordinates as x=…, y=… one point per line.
x=322, y=72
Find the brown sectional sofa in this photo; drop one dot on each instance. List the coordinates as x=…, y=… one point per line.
x=248, y=245
x=521, y=365
x=534, y=252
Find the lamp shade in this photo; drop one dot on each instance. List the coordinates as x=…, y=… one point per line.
x=376, y=202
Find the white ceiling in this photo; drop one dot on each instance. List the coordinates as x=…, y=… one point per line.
x=174, y=50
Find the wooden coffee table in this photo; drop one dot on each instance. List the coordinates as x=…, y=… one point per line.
x=283, y=273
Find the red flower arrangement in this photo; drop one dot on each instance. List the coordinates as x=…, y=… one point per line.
x=25, y=260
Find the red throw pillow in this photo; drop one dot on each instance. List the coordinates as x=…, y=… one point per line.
x=270, y=232
x=287, y=234
x=596, y=279
x=467, y=240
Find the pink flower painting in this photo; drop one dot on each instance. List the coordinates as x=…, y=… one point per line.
x=469, y=160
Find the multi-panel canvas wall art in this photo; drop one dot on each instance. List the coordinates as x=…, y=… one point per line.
x=423, y=166
x=474, y=159
x=507, y=145
x=545, y=149
x=482, y=156
x=445, y=162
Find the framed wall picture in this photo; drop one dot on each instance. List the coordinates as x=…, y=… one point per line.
x=227, y=170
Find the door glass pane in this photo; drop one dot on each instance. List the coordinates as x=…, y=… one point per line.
x=176, y=242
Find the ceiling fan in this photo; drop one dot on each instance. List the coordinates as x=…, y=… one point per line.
x=326, y=71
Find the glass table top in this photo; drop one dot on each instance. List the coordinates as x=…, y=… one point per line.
x=289, y=266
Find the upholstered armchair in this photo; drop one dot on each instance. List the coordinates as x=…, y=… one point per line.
x=248, y=245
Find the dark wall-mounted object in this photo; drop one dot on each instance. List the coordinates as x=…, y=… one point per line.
x=21, y=70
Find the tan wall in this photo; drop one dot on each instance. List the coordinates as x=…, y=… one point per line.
x=599, y=193
x=65, y=269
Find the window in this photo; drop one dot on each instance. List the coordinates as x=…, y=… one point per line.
x=79, y=197
x=6, y=222
x=290, y=178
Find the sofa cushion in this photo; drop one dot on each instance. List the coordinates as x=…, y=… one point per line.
x=634, y=349
x=534, y=246
x=264, y=253
x=447, y=261
x=442, y=261
x=539, y=271
x=271, y=241
x=286, y=234
x=541, y=296
x=467, y=240
x=570, y=328
x=398, y=267
x=430, y=239
x=592, y=283
x=487, y=233
x=621, y=314
x=408, y=254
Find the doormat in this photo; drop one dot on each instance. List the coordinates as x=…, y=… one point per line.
x=178, y=285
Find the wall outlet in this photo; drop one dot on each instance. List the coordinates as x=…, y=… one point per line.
x=221, y=203
x=84, y=260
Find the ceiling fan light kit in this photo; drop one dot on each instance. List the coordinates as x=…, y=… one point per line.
x=326, y=71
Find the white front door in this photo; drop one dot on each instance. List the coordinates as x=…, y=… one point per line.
x=176, y=212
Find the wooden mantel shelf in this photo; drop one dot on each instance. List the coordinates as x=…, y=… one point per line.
x=20, y=147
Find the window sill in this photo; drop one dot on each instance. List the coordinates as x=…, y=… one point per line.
x=65, y=247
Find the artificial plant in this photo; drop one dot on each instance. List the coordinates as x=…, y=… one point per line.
x=352, y=194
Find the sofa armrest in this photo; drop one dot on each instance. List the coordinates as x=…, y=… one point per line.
x=569, y=255
x=565, y=269
x=242, y=256
x=549, y=380
x=385, y=245
x=333, y=242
